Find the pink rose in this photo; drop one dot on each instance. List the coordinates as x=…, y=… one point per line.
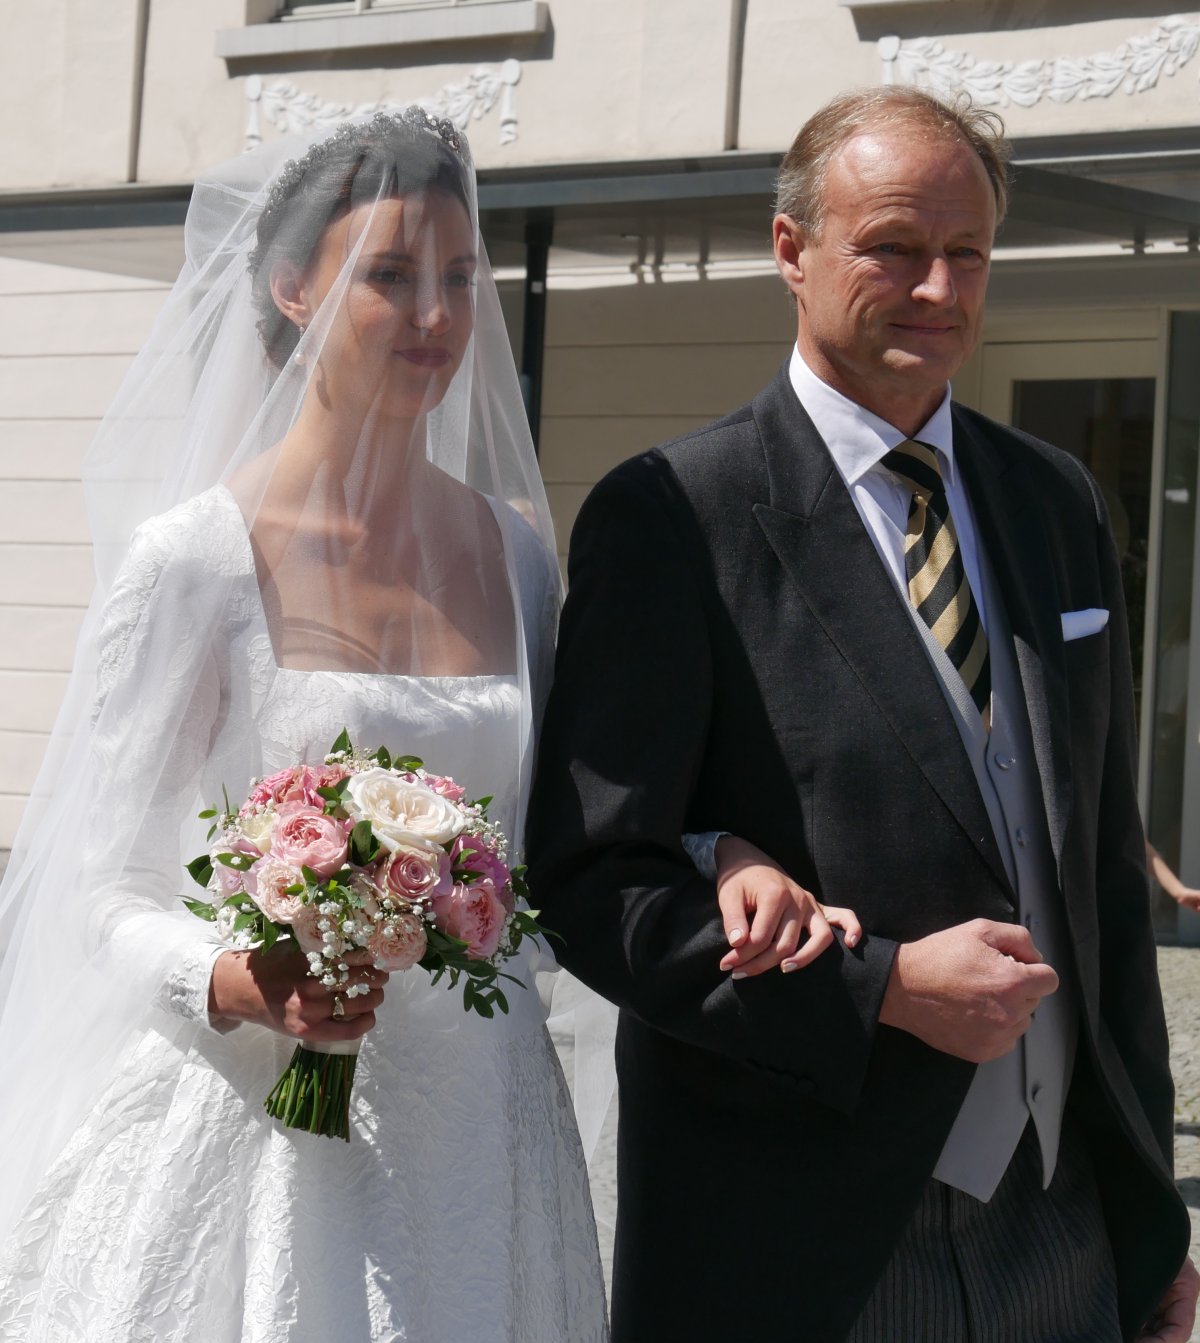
x=413, y=874
x=306, y=837
x=274, y=877
x=472, y=854
x=446, y=786
x=474, y=914
x=399, y=943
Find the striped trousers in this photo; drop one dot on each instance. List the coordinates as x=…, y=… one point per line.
x=1030, y=1266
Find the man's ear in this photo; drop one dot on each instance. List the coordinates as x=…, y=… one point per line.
x=789, y=241
x=288, y=291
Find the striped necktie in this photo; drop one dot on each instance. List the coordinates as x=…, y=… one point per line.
x=937, y=581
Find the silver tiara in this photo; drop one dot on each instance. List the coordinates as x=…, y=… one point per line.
x=412, y=119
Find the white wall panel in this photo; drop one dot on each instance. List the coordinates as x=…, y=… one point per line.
x=42, y=510
x=20, y=756
x=38, y=638
x=43, y=449
x=47, y=575
x=29, y=701
x=68, y=386
x=78, y=323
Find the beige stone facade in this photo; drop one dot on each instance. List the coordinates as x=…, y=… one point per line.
x=644, y=134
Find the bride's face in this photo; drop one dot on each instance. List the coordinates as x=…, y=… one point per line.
x=406, y=312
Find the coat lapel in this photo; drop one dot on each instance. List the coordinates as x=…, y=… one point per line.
x=813, y=526
x=1013, y=536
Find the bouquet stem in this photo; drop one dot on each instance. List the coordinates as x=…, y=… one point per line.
x=314, y=1093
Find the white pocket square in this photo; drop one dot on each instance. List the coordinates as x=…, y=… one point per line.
x=1079, y=624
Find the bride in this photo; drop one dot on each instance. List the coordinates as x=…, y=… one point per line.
x=346, y=529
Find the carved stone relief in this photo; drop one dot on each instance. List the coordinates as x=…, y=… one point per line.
x=289, y=109
x=1134, y=67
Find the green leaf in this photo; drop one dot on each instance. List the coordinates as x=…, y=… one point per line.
x=212, y=830
x=482, y=802
x=240, y=862
x=500, y=1000
x=364, y=847
x=201, y=869
x=202, y=909
x=294, y=890
x=310, y=876
x=243, y=921
x=207, y=814
x=383, y=757
x=408, y=763
x=270, y=934
x=342, y=743
x=484, y=1008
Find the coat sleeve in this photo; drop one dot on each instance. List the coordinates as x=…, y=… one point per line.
x=623, y=745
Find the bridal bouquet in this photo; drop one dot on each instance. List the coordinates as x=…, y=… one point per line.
x=363, y=851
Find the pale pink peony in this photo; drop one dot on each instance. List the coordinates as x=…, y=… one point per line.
x=474, y=914
x=297, y=784
x=274, y=877
x=413, y=874
x=305, y=837
x=398, y=943
x=445, y=786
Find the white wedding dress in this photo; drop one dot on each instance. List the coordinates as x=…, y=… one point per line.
x=459, y=1211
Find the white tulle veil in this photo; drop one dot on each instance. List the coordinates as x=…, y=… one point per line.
x=333, y=364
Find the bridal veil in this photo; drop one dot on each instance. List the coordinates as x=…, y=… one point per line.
x=332, y=358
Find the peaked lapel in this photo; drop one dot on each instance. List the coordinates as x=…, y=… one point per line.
x=1013, y=536
x=814, y=528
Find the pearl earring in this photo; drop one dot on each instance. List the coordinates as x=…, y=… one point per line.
x=298, y=357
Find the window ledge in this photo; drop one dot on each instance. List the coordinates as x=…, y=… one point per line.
x=411, y=27
x=881, y=4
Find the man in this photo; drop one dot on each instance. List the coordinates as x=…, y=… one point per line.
x=883, y=639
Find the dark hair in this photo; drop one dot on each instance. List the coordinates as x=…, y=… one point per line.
x=800, y=186
x=388, y=156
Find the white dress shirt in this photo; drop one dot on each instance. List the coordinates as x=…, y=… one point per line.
x=857, y=440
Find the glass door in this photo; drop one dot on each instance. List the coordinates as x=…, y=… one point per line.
x=1097, y=399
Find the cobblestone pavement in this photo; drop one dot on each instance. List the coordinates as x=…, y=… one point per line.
x=1179, y=968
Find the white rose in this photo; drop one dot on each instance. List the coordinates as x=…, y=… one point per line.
x=257, y=828
x=401, y=812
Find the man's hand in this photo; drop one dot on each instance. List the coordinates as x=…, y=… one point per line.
x=969, y=990
x=1172, y=1321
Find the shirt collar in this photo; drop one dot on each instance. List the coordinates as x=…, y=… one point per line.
x=858, y=439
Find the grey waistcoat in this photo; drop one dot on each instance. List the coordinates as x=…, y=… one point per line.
x=1031, y=1081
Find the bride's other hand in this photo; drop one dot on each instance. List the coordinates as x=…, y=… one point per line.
x=767, y=914
x=274, y=989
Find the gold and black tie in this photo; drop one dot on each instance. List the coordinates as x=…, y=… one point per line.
x=937, y=581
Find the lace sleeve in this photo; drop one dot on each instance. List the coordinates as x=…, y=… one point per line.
x=158, y=698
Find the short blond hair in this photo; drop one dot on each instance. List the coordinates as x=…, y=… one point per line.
x=800, y=186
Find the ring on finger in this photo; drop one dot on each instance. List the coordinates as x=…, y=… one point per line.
x=338, y=1011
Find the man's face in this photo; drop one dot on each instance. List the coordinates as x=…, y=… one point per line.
x=890, y=291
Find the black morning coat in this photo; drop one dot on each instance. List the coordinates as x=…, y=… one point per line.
x=733, y=655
